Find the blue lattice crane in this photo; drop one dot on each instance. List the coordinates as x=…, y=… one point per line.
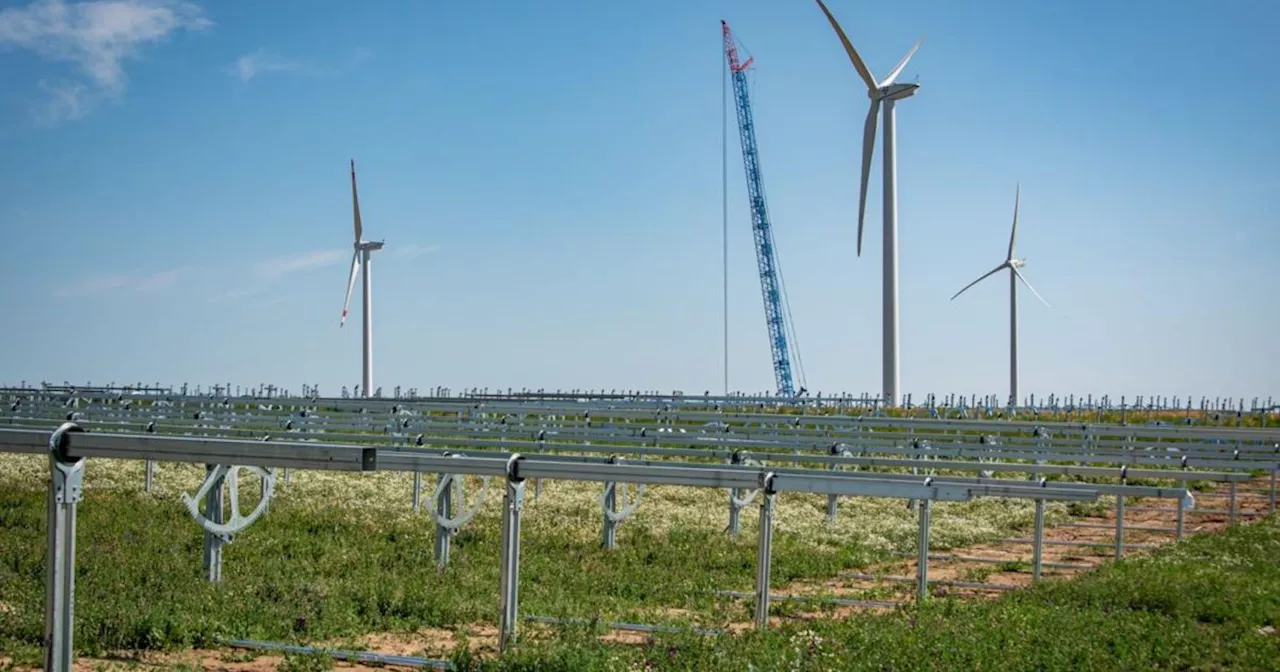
x=782, y=341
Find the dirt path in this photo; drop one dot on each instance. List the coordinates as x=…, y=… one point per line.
x=1014, y=571
x=1089, y=542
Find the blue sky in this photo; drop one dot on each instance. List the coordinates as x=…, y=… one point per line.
x=547, y=177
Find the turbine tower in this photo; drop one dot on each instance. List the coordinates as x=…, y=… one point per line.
x=888, y=92
x=361, y=256
x=1014, y=276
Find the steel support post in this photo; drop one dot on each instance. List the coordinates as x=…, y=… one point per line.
x=512, y=507
x=922, y=552
x=1120, y=519
x=1182, y=509
x=610, y=535
x=213, y=542
x=66, y=487
x=150, y=476
x=764, y=555
x=735, y=522
x=1037, y=549
x=1231, y=504
x=833, y=502
x=1273, y=490
x=443, y=510
x=417, y=490
x=262, y=489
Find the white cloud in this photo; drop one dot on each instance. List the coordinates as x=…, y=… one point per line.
x=65, y=101
x=96, y=37
x=412, y=251
x=265, y=61
x=270, y=270
x=251, y=65
x=118, y=283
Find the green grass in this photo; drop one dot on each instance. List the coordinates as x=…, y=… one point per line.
x=340, y=556
x=1203, y=605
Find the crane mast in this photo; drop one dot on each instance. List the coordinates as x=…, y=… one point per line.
x=770, y=286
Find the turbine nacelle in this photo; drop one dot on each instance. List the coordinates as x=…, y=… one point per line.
x=894, y=92
x=370, y=245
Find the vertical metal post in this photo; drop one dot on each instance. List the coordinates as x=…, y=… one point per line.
x=1037, y=549
x=1120, y=516
x=735, y=524
x=1231, y=504
x=833, y=502
x=212, y=542
x=417, y=490
x=66, y=487
x=922, y=552
x=1273, y=490
x=512, y=507
x=1182, y=508
x=444, y=511
x=764, y=554
x=262, y=488
x=150, y=476
x=610, y=509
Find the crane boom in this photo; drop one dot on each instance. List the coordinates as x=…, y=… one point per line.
x=770, y=286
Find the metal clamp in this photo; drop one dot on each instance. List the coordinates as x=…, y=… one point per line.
x=513, y=467
x=741, y=502
x=229, y=474
x=67, y=473
x=619, y=491
x=448, y=481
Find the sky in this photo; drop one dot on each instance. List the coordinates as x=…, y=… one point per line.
x=175, y=200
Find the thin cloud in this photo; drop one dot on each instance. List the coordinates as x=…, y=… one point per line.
x=265, y=61
x=412, y=251
x=260, y=62
x=270, y=271
x=96, y=37
x=118, y=283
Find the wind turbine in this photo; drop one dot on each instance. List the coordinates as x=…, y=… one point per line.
x=1014, y=276
x=888, y=92
x=363, y=249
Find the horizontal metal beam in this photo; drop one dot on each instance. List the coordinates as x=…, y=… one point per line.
x=329, y=457
x=364, y=458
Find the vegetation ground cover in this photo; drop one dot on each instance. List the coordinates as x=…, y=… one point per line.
x=341, y=555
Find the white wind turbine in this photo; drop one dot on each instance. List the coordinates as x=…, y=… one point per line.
x=888, y=92
x=1014, y=276
x=362, y=251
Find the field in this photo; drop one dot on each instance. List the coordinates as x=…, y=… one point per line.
x=341, y=561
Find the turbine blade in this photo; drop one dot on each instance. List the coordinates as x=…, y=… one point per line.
x=897, y=70
x=868, y=148
x=848, y=47
x=355, y=202
x=1013, y=235
x=980, y=279
x=351, y=284
x=1033, y=289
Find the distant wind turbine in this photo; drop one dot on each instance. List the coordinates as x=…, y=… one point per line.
x=1014, y=276
x=887, y=92
x=362, y=254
